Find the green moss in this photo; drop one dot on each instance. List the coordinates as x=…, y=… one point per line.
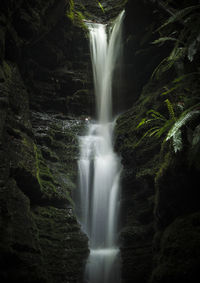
x=50, y=188
x=70, y=12
x=64, y=245
x=43, y=174
x=76, y=16
x=7, y=70
x=49, y=154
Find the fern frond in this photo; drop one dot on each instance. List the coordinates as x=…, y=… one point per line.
x=152, y=133
x=177, y=80
x=179, y=15
x=164, y=39
x=169, y=90
x=170, y=109
x=156, y=115
x=192, y=50
x=164, y=65
x=101, y=7
x=147, y=134
x=177, y=141
x=165, y=128
x=185, y=117
x=144, y=121
x=177, y=53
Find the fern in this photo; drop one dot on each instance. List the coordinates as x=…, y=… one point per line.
x=177, y=53
x=175, y=131
x=177, y=141
x=166, y=64
x=185, y=76
x=156, y=114
x=187, y=40
x=192, y=50
x=168, y=124
x=163, y=124
x=169, y=90
x=101, y=7
x=179, y=15
x=170, y=109
x=142, y=122
x=164, y=39
x=147, y=134
x=172, y=126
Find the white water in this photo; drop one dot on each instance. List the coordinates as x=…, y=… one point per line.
x=99, y=166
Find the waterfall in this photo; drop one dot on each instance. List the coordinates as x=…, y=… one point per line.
x=99, y=166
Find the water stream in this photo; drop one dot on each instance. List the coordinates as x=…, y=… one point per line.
x=99, y=166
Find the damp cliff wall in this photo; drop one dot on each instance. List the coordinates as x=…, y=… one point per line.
x=160, y=184
x=44, y=91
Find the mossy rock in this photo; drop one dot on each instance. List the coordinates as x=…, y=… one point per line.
x=51, y=190
x=21, y=258
x=65, y=247
x=179, y=255
x=176, y=191
x=81, y=103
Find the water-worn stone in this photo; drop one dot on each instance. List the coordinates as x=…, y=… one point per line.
x=41, y=240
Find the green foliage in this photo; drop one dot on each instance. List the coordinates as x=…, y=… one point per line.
x=164, y=39
x=180, y=15
x=175, y=131
x=176, y=54
x=75, y=16
x=160, y=123
x=185, y=34
x=70, y=12
x=43, y=173
x=172, y=126
x=101, y=7
x=171, y=110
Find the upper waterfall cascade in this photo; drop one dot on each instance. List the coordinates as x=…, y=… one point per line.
x=99, y=166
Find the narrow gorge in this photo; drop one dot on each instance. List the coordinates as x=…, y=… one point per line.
x=99, y=141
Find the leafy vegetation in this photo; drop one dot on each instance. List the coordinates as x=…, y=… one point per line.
x=182, y=28
x=100, y=5
x=158, y=123
x=172, y=126
x=181, y=123
x=75, y=16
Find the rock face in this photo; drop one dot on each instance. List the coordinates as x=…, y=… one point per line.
x=44, y=92
x=160, y=209
x=45, y=96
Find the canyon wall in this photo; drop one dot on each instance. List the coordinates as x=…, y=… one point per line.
x=46, y=92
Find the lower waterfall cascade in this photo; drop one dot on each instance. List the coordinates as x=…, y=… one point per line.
x=99, y=166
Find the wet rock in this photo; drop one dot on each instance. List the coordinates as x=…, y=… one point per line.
x=38, y=153
x=178, y=256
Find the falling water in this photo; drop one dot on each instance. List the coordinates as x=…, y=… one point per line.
x=99, y=166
